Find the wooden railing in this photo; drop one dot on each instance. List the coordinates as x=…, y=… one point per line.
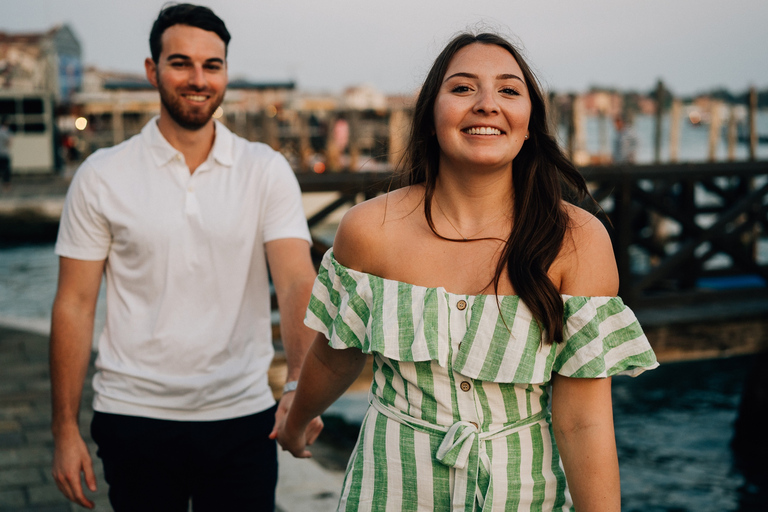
x=352, y=187
x=687, y=232
x=682, y=233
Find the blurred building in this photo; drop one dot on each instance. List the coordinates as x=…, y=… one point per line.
x=39, y=74
x=114, y=106
x=61, y=112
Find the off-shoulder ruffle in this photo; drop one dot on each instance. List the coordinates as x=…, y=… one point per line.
x=503, y=343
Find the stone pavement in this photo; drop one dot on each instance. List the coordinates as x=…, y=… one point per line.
x=26, y=443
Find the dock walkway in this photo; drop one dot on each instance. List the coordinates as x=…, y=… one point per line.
x=30, y=210
x=26, y=443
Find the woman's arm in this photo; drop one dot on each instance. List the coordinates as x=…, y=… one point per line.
x=582, y=417
x=582, y=413
x=326, y=374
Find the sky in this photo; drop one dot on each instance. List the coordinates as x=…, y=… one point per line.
x=328, y=45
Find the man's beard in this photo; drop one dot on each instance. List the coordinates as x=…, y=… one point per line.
x=187, y=118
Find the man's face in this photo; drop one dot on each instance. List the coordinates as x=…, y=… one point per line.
x=191, y=75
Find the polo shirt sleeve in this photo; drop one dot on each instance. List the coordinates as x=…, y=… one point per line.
x=83, y=231
x=284, y=213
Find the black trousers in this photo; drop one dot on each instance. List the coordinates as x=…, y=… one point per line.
x=160, y=465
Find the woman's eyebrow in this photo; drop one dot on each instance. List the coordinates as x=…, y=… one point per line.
x=461, y=74
x=509, y=76
x=503, y=76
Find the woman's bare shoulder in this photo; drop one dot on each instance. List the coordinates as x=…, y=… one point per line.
x=584, y=224
x=365, y=230
x=586, y=262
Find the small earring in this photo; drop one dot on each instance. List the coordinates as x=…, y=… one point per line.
x=526, y=137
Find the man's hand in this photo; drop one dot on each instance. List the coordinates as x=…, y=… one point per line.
x=310, y=434
x=71, y=458
x=70, y=350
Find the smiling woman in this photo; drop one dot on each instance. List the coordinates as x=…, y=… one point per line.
x=473, y=338
x=481, y=116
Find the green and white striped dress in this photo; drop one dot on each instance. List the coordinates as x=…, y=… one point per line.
x=459, y=402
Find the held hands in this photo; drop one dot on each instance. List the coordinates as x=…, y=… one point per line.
x=294, y=440
x=71, y=458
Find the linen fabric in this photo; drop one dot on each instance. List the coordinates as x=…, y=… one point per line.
x=188, y=328
x=459, y=417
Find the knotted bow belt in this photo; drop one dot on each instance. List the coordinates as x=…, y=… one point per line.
x=462, y=447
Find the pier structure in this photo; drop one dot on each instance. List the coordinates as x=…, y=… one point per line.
x=358, y=129
x=691, y=244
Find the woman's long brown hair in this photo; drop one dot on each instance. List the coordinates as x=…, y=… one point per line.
x=542, y=176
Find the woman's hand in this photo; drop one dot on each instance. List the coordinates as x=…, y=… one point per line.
x=294, y=441
x=325, y=375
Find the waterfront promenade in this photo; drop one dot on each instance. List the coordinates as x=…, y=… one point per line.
x=710, y=323
x=26, y=443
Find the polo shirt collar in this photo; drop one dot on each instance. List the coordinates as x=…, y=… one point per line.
x=162, y=152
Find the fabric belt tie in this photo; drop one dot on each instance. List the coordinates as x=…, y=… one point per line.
x=460, y=446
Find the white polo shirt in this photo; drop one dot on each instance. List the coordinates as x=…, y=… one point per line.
x=188, y=331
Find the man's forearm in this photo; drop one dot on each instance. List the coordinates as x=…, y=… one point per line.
x=293, y=275
x=70, y=351
x=295, y=336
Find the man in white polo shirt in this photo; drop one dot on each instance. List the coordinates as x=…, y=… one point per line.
x=182, y=220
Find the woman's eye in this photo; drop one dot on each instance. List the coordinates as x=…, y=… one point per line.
x=511, y=91
x=460, y=88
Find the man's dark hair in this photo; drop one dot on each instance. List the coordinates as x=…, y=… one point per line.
x=185, y=14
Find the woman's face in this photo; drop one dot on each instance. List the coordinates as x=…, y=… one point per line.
x=482, y=109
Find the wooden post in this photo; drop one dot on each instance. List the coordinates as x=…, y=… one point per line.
x=715, y=124
x=674, y=129
x=269, y=128
x=659, y=115
x=332, y=155
x=354, y=139
x=752, y=117
x=572, y=127
x=118, y=130
x=553, y=112
x=732, y=134
x=602, y=130
x=240, y=124
x=687, y=202
x=305, y=148
x=749, y=443
x=398, y=136
x=578, y=144
x=622, y=235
